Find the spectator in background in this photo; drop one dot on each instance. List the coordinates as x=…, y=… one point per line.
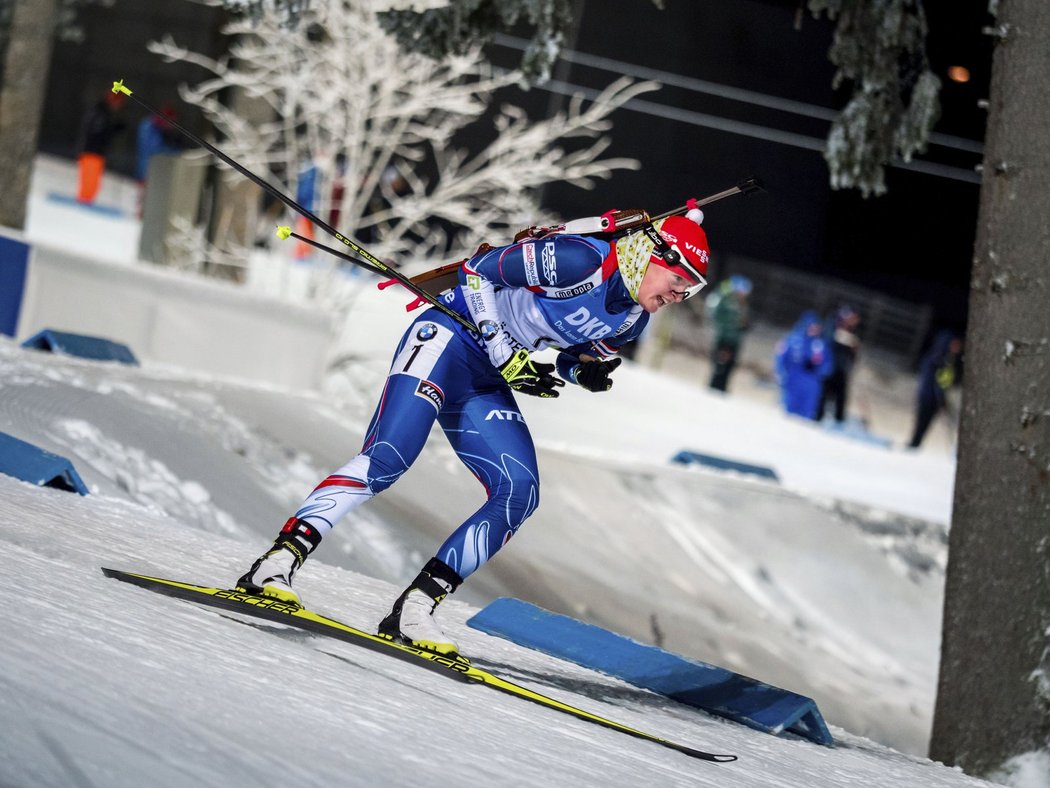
x=802, y=361
x=335, y=209
x=728, y=307
x=306, y=196
x=156, y=136
x=939, y=370
x=98, y=128
x=841, y=337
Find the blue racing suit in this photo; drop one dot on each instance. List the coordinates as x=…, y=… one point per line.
x=563, y=292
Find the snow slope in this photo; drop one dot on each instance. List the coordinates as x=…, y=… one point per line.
x=838, y=603
x=105, y=684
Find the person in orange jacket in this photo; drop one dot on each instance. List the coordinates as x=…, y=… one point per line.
x=101, y=124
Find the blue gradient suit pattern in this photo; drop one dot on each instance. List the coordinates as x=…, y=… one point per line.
x=563, y=292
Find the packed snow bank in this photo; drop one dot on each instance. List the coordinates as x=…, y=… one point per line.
x=102, y=683
x=842, y=605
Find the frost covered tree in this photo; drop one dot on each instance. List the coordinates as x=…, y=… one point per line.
x=880, y=47
x=993, y=702
x=439, y=29
x=336, y=88
x=461, y=25
x=27, y=30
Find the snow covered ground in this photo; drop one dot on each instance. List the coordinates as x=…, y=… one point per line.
x=828, y=584
x=105, y=684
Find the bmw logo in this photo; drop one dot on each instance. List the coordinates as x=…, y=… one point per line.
x=488, y=330
x=426, y=331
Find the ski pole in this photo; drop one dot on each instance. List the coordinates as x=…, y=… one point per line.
x=285, y=232
x=370, y=262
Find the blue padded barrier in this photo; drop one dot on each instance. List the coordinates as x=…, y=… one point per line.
x=689, y=457
x=34, y=465
x=14, y=261
x=854, y=428
x=68, y=199
x=694, y=683
x=82, y=346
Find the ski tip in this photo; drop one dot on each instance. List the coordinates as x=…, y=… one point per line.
x=120, y=87
x=284, y=232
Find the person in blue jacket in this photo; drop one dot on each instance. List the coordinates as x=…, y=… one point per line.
x=306, y=196
x=583, y=295
x=803, y=360
x=840, y=334
x=155, y=136
x=939, y=370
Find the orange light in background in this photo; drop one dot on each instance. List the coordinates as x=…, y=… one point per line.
x=959, y=74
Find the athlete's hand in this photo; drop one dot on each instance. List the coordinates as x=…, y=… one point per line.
x=530, y=377
x=593, y=374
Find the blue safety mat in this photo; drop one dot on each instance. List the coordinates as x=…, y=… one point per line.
x=856, y=430
x=685, y=457
x=713, y=689
x=68, y=199
x=82, y=346
x=35, y=465
x=14, y=264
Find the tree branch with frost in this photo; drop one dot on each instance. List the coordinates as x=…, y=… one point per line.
x=879, y=46
x=494, y=185
x=337, y=86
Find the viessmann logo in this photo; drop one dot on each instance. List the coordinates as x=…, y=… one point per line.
x=701, y=253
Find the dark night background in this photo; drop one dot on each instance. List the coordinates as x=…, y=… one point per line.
x=915, y=242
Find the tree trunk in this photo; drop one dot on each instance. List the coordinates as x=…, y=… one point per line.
x=994, y=695
x=24, y=74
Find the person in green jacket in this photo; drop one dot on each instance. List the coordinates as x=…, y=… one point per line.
x=729, y=313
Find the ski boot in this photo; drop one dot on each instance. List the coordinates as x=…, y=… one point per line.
x=272, y=572
x=411, y=621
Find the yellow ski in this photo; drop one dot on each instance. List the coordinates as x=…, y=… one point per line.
x=297, y=616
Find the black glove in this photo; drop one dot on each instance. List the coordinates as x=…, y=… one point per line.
x=530, y=377
x=594, y=375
